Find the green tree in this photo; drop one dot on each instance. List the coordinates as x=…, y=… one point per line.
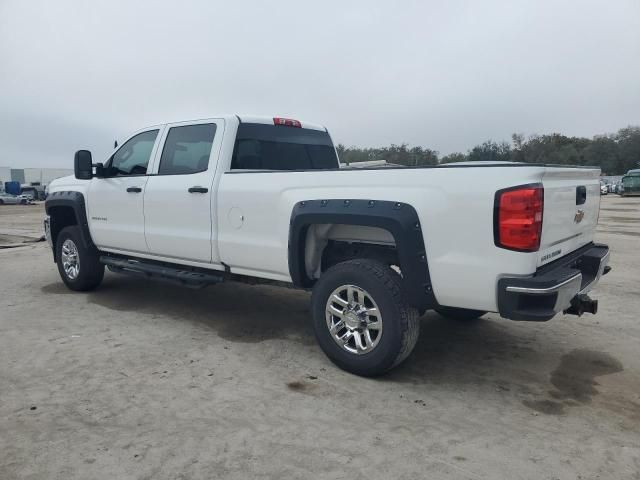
x=454, y=157
x=613, y=153
x=490, y=151
x=603, y=152
x=628, y=140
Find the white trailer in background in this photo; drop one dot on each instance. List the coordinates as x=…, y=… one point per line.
x=44, y=176
x=5, y=176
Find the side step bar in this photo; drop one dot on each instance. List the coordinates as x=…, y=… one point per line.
x=188, y=278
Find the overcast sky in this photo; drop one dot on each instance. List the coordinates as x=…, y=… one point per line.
x=445, y=75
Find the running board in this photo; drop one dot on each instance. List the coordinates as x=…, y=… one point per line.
x=188, y=278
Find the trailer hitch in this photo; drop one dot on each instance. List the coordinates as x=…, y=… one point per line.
x=580, y=304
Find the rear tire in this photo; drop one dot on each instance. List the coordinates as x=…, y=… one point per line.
x=379, y=315
x=460, y=314
x=79, y=267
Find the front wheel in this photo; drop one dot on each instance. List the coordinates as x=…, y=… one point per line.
x=361, y=318
x=79, y=267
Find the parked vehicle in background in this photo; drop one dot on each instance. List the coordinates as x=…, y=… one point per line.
x=631, y=183
x=35, y=192
x=257, y=199
x=618, y=187
x=603, y=188
x=8, y=199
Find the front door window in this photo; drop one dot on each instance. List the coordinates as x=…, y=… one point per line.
x=132, y=158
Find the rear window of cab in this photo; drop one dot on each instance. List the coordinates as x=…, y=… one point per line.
x=276, y=147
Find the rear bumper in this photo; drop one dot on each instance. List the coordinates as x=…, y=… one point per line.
x=553, y=287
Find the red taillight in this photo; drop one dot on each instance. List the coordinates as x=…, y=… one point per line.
x=518, y=218
x=287, y=122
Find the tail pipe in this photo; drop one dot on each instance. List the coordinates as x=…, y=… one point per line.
x=580, y=304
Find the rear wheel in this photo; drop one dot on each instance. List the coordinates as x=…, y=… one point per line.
x=361, y=318
x=460, y=314
x=79, y=267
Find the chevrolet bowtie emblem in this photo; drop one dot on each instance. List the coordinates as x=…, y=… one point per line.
x=579, y=216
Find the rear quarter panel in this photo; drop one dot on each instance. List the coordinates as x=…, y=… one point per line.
x=454, y=204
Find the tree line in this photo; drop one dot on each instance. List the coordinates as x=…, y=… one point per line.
x=614, y=153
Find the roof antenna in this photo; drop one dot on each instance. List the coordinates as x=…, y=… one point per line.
x=115, y=144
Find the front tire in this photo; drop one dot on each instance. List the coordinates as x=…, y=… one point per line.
x=79, y=267
x=361, y=318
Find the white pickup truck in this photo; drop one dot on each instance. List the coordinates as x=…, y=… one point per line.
x=248, y=198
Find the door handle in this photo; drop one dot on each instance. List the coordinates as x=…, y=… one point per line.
x=134, y=189
x=198, y=190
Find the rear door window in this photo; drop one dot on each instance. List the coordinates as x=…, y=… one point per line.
x=187, y=149
x=275, y=147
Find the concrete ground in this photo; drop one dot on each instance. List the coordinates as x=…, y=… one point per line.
x=20, y=224
x=143, y=380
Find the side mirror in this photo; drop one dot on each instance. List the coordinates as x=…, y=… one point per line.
x=83, y=165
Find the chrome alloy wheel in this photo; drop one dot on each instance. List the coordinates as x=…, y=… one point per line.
x=70, y=259
x=353, y=319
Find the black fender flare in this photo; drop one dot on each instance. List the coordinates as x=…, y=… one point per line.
x=400, y=219
x=75, y=201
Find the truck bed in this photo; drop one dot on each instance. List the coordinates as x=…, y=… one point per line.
x=455, y=204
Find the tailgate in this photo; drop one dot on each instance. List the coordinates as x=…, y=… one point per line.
x=571, y=207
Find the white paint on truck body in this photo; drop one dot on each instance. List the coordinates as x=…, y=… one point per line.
x=243, y=220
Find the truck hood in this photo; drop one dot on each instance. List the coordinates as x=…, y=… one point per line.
x=64, y=183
